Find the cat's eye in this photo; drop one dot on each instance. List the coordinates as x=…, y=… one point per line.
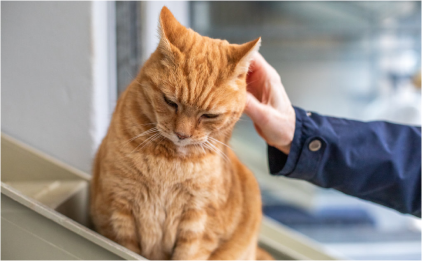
x=209, y=116
x=172, y=104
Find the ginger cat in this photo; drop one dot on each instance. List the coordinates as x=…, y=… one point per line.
x=165, y=185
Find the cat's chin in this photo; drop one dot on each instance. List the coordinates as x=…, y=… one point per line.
x=183, y=145
x=182, y=150
x=185, y=148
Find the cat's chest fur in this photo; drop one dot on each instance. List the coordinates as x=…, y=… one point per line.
x=169, y=188
x=159, y=211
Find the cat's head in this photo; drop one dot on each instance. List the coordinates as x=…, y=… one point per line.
x=194, y=87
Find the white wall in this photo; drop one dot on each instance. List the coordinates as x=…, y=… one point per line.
x=55, y=91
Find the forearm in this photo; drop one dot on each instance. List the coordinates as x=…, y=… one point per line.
x=376, y=161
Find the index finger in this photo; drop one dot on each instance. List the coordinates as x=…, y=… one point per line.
x=256, y=75
x=257, y=62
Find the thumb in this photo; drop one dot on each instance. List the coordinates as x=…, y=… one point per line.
x=255, y=110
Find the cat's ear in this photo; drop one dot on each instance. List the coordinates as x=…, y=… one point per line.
x=172, y=34
x=241, y=56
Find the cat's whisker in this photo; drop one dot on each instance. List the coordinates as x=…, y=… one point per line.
x=223, y=154
x=196, y=145
x=162, y=138
x=213, y=139
x=208, y=147
x=136, y=80
x=202, y=147
x=129, y=74
x=143, y=133
x=152, y=130
x=217, y=150
x=245, y=120
x=236, y=120
x=156, y=136
x=251, y=82
x=145, y=141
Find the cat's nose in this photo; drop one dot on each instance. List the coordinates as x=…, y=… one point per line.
x=181, y=136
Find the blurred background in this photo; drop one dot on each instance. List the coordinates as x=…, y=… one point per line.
x=65, y=64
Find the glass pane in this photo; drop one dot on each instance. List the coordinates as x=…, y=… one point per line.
x=346, y=59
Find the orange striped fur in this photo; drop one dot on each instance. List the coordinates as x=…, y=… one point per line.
x=169, y=198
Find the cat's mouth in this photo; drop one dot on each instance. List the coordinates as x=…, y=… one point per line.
x=176, y=141
x=184, y=143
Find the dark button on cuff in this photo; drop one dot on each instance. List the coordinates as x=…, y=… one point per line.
x=315, y=145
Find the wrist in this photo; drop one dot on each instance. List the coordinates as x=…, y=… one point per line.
x=288, y=132
x=284, y=149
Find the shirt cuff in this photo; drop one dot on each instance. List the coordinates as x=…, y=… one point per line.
x=306, y=151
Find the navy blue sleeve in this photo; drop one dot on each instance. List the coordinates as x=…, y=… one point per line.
x=376, y=161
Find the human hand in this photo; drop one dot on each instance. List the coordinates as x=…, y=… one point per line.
x=269, y=106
